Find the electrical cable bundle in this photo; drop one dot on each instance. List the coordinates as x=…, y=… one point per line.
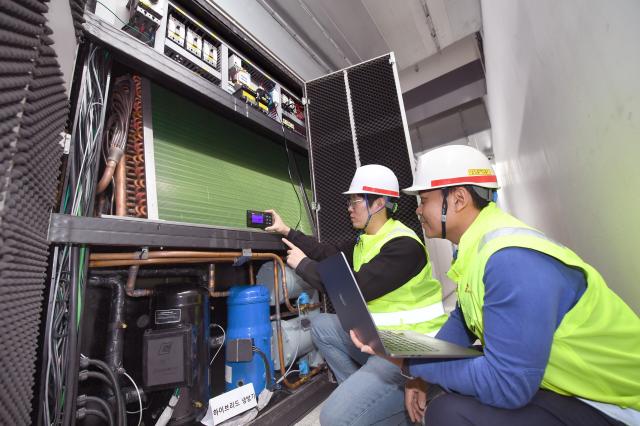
x=61, y=353
x=109, y=378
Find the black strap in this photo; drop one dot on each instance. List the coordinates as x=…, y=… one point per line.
x=443, y=218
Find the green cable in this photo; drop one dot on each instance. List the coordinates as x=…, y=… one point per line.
x=80, y=281
x=66, y=199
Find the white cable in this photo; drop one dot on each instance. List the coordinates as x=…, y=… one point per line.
x=295, y=355
x=139, y=398
x=224, y=338
x=168, y=411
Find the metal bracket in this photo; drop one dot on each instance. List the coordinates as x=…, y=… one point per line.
x=392, y=59
x=246, y=257
x=143, y=254
x=305, y=101
x=315, y=206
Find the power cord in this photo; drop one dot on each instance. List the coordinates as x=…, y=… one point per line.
x=224, y=337
x=286, y=149
x=266, y=366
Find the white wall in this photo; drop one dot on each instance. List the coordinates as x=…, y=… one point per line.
x=253, y=17
x=64, y=38
x=564, y=102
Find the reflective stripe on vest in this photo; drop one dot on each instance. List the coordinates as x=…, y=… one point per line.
x=504, y=232
x=414, y=316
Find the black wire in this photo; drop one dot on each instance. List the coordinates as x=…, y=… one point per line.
x=96, y=413
x=305, y=197
x=122, y=416
x=286, y=148
x=71, y=380
x=85, y=374
x=266, y=366
x=103, y=404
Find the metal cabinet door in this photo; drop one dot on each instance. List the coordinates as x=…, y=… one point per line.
x=355, y=117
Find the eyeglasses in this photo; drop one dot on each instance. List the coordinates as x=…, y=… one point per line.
x=353, y=202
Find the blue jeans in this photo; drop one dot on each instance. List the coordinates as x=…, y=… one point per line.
x=371, y=389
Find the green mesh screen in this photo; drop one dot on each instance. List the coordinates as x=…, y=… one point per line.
x=211, y=170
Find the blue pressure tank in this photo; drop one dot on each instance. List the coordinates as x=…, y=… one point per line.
x=248, y=317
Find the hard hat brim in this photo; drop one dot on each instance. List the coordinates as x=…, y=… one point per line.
x=370, y=192
x=415, y=189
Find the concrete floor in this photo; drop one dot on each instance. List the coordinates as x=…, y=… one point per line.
x=311, y=419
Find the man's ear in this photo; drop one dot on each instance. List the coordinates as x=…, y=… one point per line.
x=461, y=198
x=379, y=203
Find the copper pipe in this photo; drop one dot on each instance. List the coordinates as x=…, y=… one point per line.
x=252, y=279
x=164, y=254
x=120, y=188
x=131, y=284
x=285, y=315
x=106, y=177
x=304, y=379
x=212, y=283
x=162, y=261
x=283, y=369
x=132, y=258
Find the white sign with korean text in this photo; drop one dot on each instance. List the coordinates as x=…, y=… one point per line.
x=230, y=404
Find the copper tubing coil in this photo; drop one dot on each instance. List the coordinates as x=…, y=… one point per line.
x=134, y=155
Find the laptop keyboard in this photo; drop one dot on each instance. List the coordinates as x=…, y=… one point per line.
x=398, y=342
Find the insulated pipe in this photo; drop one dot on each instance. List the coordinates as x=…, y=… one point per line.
x=115, y=332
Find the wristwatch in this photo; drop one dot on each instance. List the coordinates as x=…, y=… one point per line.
x=404, y=370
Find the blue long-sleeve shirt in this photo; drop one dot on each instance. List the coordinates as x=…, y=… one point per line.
x=527, y=294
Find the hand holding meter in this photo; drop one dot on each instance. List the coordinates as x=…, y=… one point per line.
x=258, y=219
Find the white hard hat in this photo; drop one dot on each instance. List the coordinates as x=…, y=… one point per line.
x=374, y=179
x=452, y=165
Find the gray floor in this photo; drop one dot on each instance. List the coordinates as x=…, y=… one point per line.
x=311, y=419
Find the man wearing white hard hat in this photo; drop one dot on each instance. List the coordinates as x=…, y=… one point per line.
x=560, y=348
x=393, y=272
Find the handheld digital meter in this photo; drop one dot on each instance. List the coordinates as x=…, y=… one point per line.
x=257, y=219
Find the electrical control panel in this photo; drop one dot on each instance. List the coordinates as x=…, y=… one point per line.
x=192, y=44
x=210, y=53
x=176, y=31
x=292, y=113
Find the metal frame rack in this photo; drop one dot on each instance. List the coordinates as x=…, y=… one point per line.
x=184, y=67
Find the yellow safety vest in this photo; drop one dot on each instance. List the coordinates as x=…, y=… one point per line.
x=595, y=353
x=417, y=304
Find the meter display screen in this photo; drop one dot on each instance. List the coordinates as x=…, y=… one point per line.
x=257, y=218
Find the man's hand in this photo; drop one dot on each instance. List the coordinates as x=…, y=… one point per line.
x=278, y=226
x=363, y=348
x=415, y=399
x=294, y=254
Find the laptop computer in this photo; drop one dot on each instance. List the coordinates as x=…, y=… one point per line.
x=351, y=308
